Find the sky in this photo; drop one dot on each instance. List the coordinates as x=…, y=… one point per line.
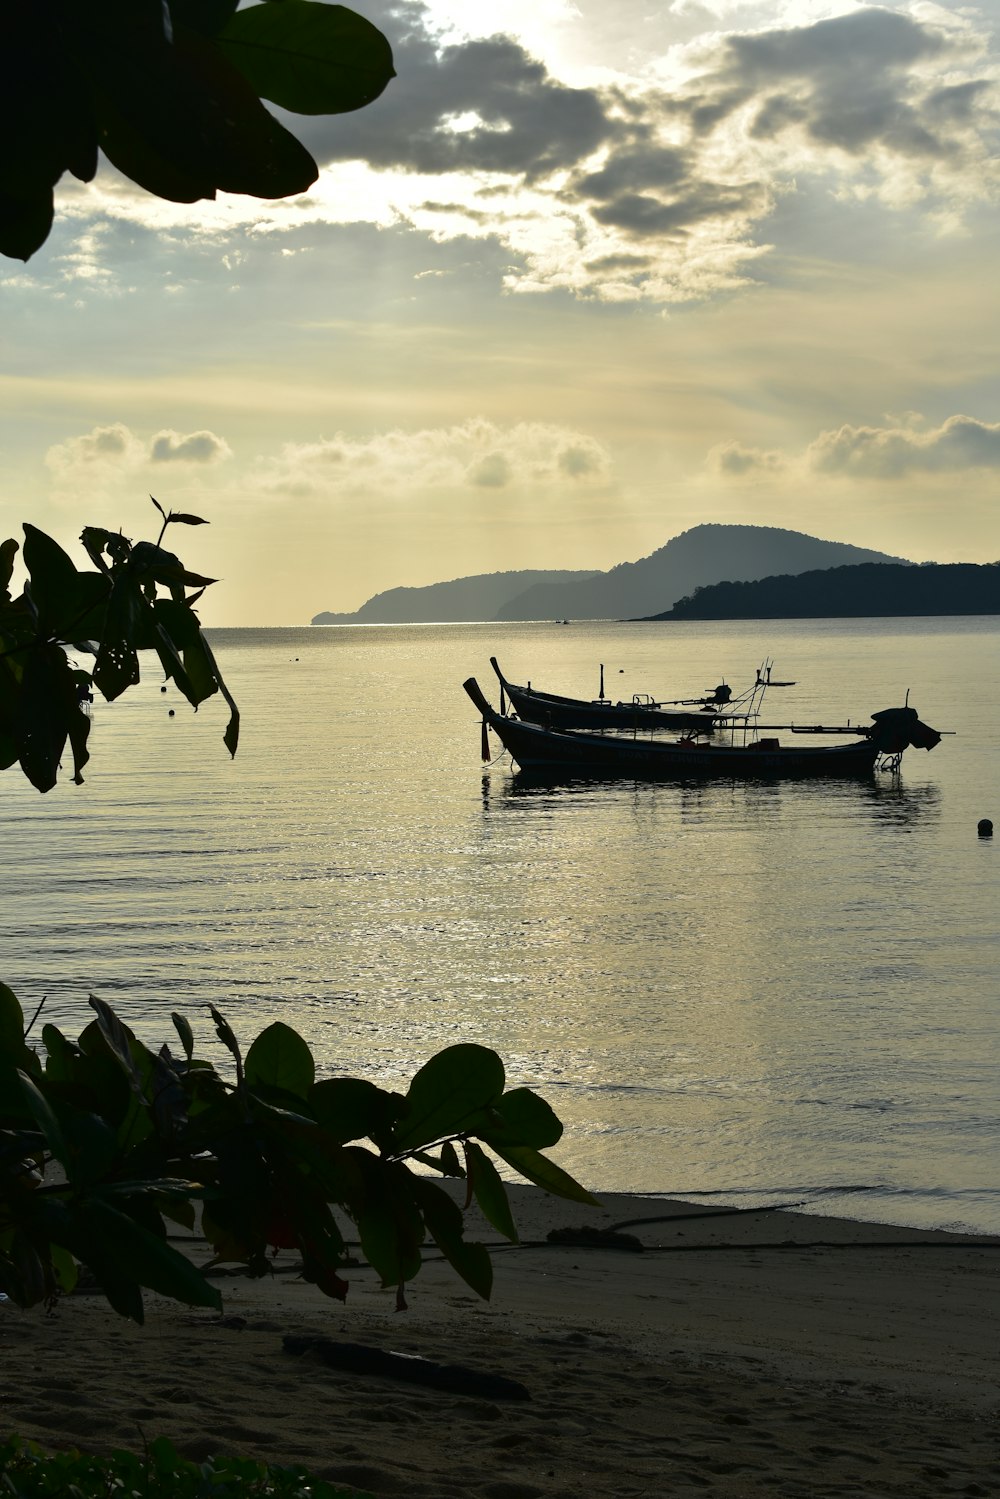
x=585, y=276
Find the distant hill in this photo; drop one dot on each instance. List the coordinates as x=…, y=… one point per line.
x=462, y=599
x=705, y=554
x=868, y=590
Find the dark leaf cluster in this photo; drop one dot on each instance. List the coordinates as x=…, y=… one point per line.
x=135, y=599
x=171, y=91
x=103, y=1141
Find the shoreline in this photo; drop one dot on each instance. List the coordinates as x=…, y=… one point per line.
x=734, y=1355
x=829, y=1202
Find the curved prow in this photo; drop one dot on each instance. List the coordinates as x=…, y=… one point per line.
x=503, y=685
x=474, y=690
x=489, y=717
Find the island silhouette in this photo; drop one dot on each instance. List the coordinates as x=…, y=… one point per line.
x=704, y=555
x=866, y=590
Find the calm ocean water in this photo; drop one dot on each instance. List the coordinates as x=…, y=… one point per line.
x=765, y=992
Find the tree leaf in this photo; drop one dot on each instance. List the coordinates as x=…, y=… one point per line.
x=91, y=1143
x=84, y=610
x=231, y=737
x=336, y=1170
x=352, y=1108
x=449, y=1096
x=309, y=58
x=25, y=221
x=97, y=540
x=279, y=1058
x=11, y=1023
x=520, y=1117
x=390, y=1225
x=117, y=664
x=119, y=1039
x=61, y=1054
x=174, y=668
x=446, y=1224
x=185, y=123
x=8, y=552
x=165, y=567
x=490, y=1192
x=49, y=713
x=202, y=15
x=14, y=1052
x=179, y=625
x=183, y=1028
x=225, y=1033
x=23, y=1270
x=121, y=1252
x=168, y=1096
x=11, y=674
x=8, y=749
x=544, y=1173
x=450, y=1164
x=48, y=1122
x=65, y=1267
x=105, y=1087
x=51, y=578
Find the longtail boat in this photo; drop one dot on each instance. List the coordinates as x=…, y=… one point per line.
x=554, y=712
x=575, y=752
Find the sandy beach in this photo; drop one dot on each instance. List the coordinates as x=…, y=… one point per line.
x=763, y=1353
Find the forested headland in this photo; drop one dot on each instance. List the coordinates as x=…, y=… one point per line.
x=868, y=589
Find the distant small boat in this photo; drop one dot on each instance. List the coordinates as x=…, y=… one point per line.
x=552, y=711
x=568, y=751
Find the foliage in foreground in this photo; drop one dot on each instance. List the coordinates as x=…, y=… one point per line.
x=171, y=91
x=102, y=1141
x=26, y=1472
x=135, y=600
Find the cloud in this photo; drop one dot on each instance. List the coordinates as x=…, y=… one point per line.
x=651, y=185
x=475, y=105
x=653, y=191
x=579, y=461
x=196, y=447
x=875, y=102
x=105, y=448
x=867, y=85
x=891, y=452
x=736, y=460
x=491, y=472
x=399, y=466
x=116, y=452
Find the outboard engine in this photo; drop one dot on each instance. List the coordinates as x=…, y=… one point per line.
x=897, y=728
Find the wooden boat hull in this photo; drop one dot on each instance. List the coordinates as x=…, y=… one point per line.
x=553, y=712
x=566, y=751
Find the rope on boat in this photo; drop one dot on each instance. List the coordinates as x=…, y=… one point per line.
x=489, y=760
